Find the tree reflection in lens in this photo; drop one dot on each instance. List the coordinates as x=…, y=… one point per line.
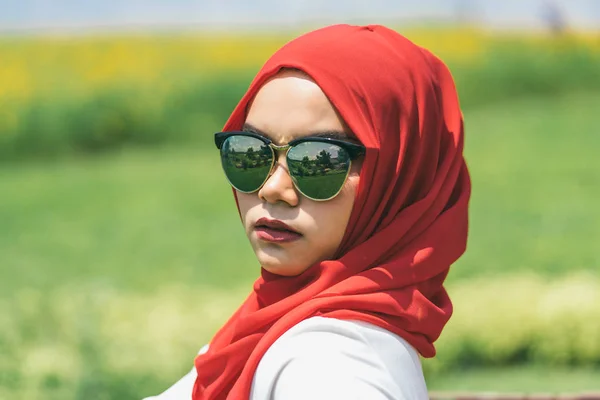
x=246, y=161
x=318, y=169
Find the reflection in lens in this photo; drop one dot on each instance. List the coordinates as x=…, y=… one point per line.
x=246, y=162
x=318, y=169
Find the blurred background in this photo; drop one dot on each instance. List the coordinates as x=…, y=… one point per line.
x=121, y=251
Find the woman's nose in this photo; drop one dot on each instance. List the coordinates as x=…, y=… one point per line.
x=279, y=185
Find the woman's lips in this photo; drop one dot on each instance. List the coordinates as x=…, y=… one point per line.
x=272, y=230
x=274, y=235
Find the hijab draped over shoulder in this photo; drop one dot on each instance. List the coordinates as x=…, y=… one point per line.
x=409, y=221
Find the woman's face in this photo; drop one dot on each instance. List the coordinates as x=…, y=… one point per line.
x=287, y=107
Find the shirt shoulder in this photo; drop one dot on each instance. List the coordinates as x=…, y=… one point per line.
x=326, y=358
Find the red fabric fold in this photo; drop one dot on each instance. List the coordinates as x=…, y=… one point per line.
x=410, y=216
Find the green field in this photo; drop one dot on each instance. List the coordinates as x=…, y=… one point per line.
x=135, y=219
x=116, y=269
x=518, y=380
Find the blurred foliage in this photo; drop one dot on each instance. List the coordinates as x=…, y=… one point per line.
x=61, y=95
x=522, y=319
x=98, y=343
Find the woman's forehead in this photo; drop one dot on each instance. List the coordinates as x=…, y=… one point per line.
x=291, y=105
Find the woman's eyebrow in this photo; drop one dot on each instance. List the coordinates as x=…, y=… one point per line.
x=249, y=128
x=331, y=134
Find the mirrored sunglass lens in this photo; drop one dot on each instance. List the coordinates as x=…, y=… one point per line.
x=319, y=169
x=246, y=162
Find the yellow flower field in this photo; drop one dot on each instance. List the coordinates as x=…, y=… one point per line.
x=38, y=65
x=65, y=95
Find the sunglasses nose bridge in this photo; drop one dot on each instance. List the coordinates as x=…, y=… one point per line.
x=278, y=183
x=277, y=148
x=275, y=151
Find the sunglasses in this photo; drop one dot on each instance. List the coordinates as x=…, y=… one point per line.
x=318, y=166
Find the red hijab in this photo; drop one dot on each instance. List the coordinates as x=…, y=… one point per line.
x=409, y=221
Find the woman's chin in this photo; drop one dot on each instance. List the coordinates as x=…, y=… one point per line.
x=279, y=265
x=282, y=271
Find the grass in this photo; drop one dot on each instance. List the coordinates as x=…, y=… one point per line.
x=138, y=218
x=132, y=220
x=117, y=268
x=519, y=380
x=536, y=182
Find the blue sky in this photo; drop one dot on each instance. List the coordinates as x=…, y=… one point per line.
x=17, y=15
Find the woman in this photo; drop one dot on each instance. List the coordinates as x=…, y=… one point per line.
x=345, y=157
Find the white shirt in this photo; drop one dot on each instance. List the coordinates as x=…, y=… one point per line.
x=326, y=358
